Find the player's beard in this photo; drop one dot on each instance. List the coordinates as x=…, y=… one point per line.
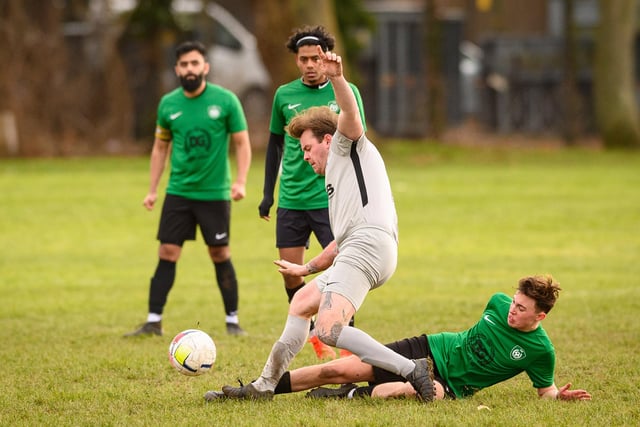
x=191, y=84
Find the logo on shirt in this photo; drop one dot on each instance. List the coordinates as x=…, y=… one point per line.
x=214, y=111
x=488, y=319
x=517, y=353
x=333, y=106
x=293, y=106
x=175, y=115
x=330, y=190
x=197, y=143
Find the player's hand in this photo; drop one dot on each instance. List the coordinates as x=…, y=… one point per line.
x=331, y=63
x=291, y=269
x=238, y=191
x=150, y=201
x=565, y=394
x=264, y=207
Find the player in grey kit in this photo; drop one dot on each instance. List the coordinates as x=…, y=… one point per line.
x=364, y=253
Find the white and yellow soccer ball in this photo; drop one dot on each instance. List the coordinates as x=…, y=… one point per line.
x=192, y=352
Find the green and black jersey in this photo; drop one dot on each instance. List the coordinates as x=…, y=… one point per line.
x=492, y=351
x=199, y=130
x=300, y=187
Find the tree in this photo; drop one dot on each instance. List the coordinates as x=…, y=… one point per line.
x=615, y=104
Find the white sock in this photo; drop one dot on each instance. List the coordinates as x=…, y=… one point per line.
x=232, y=318
x=293, y=338
x=372, y=352
x=154, y=317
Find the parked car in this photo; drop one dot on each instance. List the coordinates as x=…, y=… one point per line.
x=233, y=53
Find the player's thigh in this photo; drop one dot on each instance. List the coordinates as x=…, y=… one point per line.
x=214, y=218
x=294, y=255
x=334, y=308
x=177, y=221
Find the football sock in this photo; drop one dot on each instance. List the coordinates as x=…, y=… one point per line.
x=284, y=350
x=284, y=385
x=371, y=351
x=154, y=317
x=232, y=318
x=161, y=284
x=361, y=391
x=228, y=284
x=292, y=291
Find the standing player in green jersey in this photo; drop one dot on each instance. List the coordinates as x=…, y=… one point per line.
x=302, y=199
x=507, y=340
x=195, y=124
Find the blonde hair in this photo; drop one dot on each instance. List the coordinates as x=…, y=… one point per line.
x=320, y=120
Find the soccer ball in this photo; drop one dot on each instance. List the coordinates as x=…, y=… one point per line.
x=192, y=352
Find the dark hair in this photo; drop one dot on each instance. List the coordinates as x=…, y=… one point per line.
x=543, y=289
x=311, y=36
x=189, y=46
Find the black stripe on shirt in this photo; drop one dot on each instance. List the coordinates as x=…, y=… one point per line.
x=359, y=175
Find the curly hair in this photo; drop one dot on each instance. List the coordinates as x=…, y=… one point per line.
x=320, y=120
x=541, y=288
x=311, y=36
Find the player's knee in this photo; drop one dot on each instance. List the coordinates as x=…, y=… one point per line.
x=328, y=335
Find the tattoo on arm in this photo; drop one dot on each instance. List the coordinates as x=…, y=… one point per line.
x=311, y=268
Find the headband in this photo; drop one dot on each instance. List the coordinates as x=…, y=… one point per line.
x=307, y=38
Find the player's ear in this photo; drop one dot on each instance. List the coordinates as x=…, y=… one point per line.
x=541, y=316
x=327, y=138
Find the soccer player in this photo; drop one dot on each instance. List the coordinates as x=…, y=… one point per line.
x=302, y=199
x=507, y=340
x=365, y=226
x=195, y=124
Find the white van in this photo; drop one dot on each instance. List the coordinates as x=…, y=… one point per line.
x=233, y=53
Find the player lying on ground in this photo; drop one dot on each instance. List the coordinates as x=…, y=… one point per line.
x=507, y=340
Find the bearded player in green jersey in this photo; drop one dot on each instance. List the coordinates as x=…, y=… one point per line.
x=195, y=125
x=507, y=340
x=302, y=199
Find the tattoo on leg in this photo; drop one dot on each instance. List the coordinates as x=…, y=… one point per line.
x=327, y=301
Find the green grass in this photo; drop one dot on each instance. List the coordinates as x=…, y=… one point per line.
x=78, y=248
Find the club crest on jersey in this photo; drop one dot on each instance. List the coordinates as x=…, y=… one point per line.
x=214, y=111
x=333, y=106
x=518, y=353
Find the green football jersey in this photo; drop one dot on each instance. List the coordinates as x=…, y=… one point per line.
x=300, y=187
x=199, y=129
x=491, y=351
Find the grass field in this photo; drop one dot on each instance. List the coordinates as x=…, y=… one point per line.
x=78, y=250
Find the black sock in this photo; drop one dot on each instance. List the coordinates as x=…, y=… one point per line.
x=228, y=284
x=363, y=391
x=284, y=385
x=292, y=291
x=161, y=284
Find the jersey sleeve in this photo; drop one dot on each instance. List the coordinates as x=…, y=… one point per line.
x=541, y=372
x=162, y=131
x=277, y=123
x=237, y=119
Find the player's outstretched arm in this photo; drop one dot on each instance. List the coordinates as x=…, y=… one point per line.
x=349, y=120
x=563, y=393
x=320, y=262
